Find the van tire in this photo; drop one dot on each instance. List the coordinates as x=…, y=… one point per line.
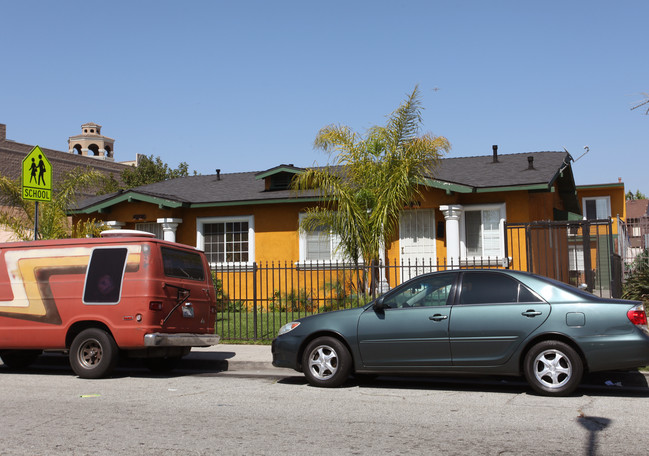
x=93, y=353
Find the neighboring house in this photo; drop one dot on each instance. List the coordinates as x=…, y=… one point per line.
x=12, y=154
x=602, y=201
x=637, y=228
x=599, y=202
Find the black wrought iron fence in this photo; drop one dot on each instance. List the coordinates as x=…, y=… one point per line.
x=581, y=253
x=255, y=300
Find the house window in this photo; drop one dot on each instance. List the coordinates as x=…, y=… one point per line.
x=151, y=227
x=226, y=240
x=597, y=208
x=483, y=231
x=319, y=245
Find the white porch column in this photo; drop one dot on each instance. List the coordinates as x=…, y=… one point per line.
x=114, y=224
x=452, y=214
x=169, y=226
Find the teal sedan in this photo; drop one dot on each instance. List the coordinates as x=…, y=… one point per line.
x=497, y=322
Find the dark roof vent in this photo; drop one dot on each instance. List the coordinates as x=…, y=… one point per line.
x=530, y=162
x=218, y=174
x=495, y=149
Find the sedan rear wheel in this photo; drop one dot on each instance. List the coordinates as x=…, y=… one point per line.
x=326, y=362
x=553, y=368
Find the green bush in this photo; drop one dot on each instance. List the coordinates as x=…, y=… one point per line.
x=636, y=286
x=299, y=301
x=222, y=299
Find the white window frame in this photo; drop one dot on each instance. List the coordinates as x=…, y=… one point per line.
x=157, y=228
x=334, y=242
x=502, y=209
x=200, y=238
x=606, y=199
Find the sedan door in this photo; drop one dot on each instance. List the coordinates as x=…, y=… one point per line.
x=493, y=315
x=412, y=328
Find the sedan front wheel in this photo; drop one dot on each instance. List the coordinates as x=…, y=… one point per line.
x=326, y=362
x=553, y=368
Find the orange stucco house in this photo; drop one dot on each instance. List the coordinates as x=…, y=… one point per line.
x=254, y=216
x=462, y=217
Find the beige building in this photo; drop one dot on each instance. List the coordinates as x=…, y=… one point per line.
x=88, y=150
x=91, y=143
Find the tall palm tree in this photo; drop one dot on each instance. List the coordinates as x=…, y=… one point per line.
x=370, y=179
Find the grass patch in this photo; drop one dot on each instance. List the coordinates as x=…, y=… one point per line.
x=248, y=327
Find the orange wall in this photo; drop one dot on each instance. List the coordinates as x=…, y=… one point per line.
x=276, y=225
x=614, y=191
x=521, y=207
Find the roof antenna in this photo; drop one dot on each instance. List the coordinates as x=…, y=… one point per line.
x=586, y=148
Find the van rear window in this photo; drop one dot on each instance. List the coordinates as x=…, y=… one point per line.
x=182, y=264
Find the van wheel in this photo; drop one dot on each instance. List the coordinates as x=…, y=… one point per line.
x=19, y=359
x=93, y=353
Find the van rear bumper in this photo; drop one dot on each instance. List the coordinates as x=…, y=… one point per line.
x=180, y=340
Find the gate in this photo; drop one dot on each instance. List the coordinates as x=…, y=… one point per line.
x=577, y=252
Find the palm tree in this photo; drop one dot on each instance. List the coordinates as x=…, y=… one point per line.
x=53, y=223
x=371, y=179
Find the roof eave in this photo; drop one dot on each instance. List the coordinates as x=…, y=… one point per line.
x=277, y=170
x=128, y=197
x=460, y=188
x=255, y=202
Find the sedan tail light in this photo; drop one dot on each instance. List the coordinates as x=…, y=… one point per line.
x=637, y=315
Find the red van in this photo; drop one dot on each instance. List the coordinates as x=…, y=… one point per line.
x=125, y=293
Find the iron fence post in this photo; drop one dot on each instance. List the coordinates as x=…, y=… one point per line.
x=254, y=298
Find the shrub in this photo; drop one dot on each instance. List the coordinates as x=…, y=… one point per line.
x=636, y=286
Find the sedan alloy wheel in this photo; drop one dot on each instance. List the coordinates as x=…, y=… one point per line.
x=553, y=368
x=326, y=362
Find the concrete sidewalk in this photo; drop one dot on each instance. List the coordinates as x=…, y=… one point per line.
x=238, y=357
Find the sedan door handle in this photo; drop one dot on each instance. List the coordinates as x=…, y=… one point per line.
x=438, y=317
x=531, y=313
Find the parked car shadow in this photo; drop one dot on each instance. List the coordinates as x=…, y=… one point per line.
x=620, y=383
x=56, y=363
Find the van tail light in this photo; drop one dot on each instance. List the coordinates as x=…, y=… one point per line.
x=637, y=315
x=155, y=305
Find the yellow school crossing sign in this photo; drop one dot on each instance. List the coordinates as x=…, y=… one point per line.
x=37, y=176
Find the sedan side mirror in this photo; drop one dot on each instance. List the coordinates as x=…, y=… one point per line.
x=379, y=304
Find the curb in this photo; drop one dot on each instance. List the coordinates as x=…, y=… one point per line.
x=239, y=358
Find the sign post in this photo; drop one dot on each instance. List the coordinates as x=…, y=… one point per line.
x=36, y=180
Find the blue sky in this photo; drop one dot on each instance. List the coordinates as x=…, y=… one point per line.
x=246, y=85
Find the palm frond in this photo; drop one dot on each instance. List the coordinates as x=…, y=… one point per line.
x=371, y=179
